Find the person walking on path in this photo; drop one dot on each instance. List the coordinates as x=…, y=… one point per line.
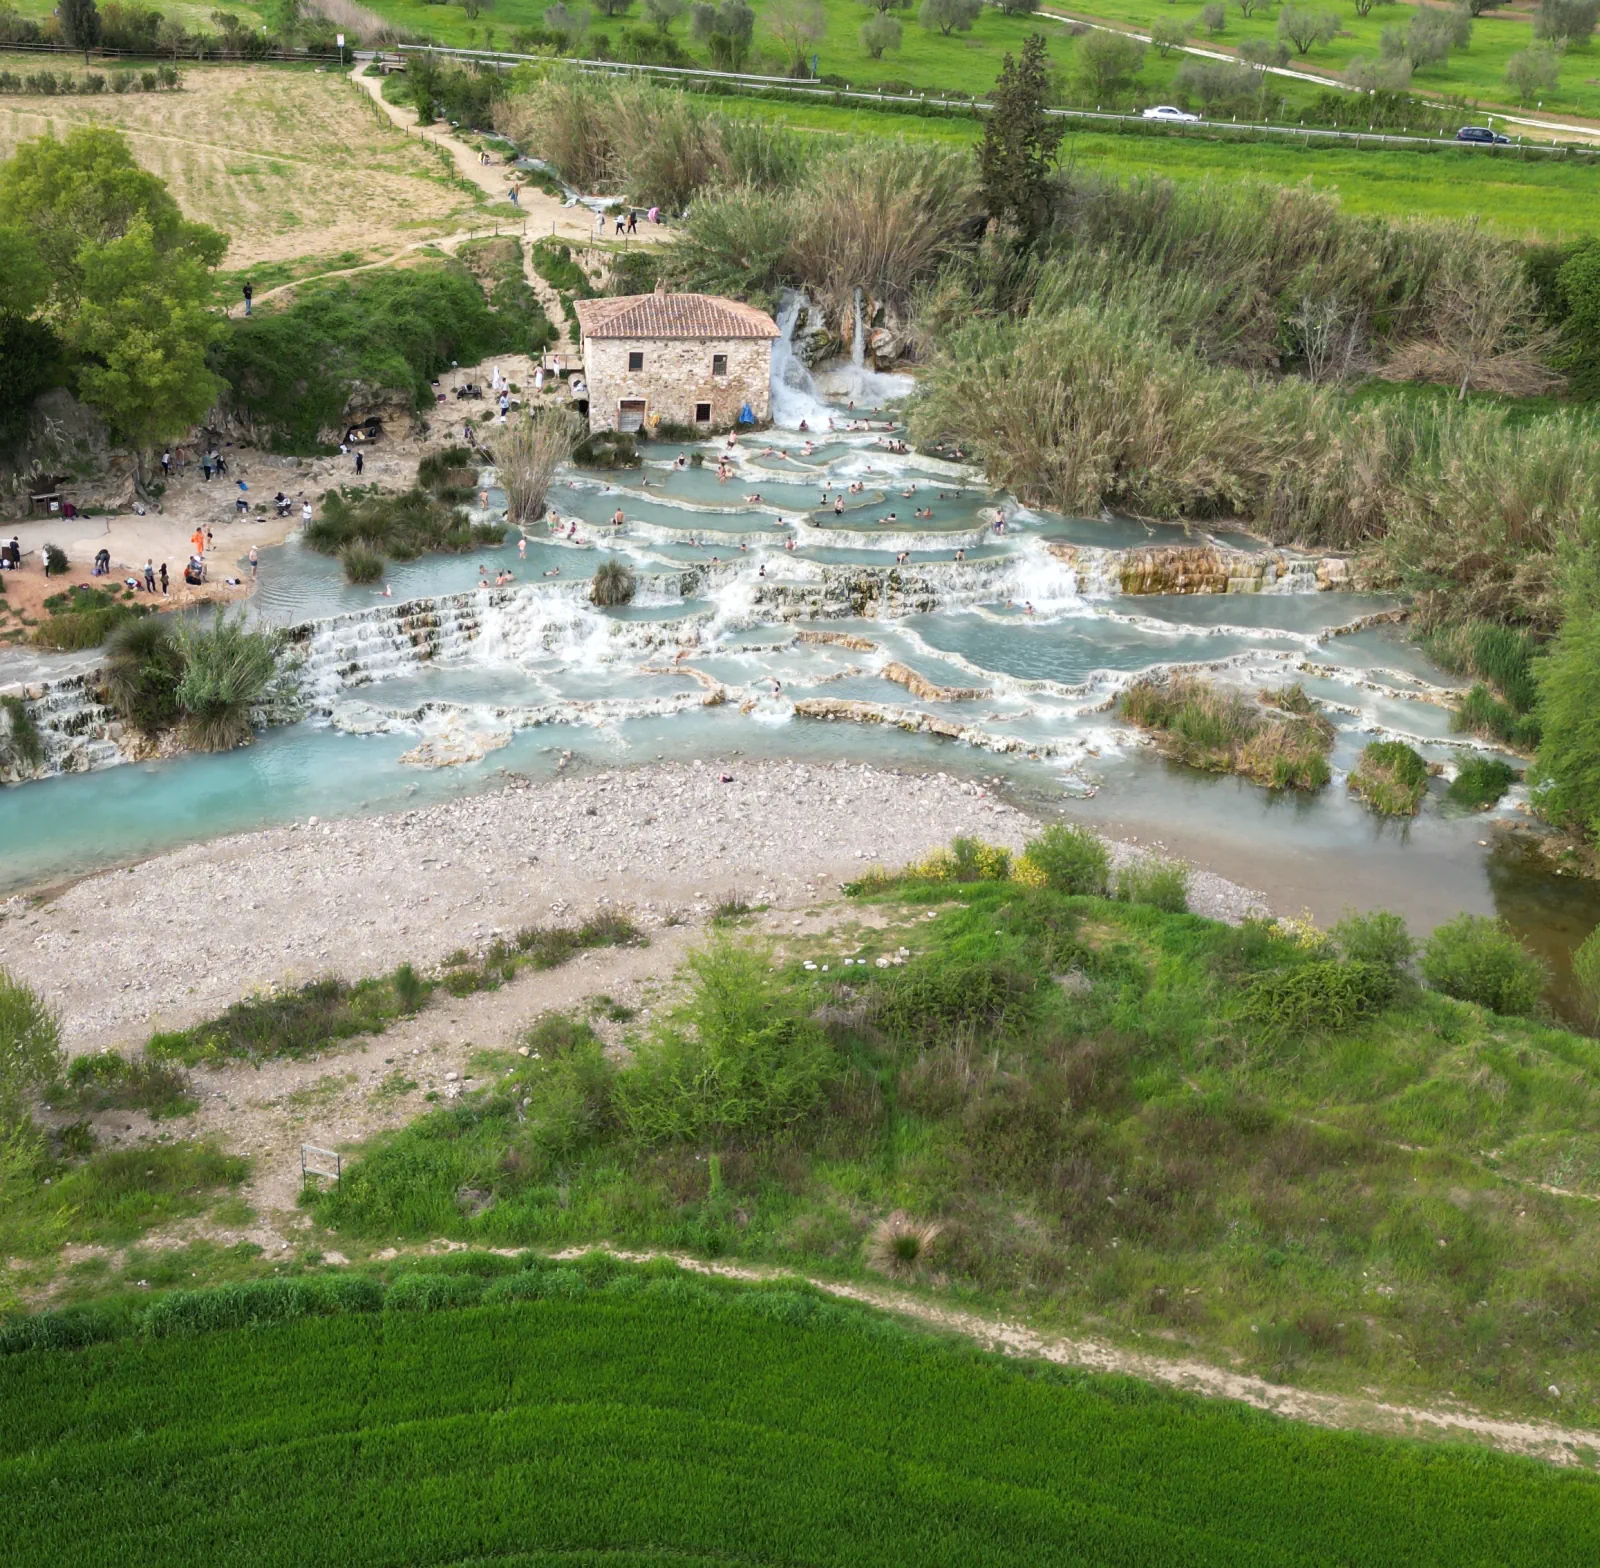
x=249, y=295
x=198, y=540
x=166, y=467
x=255, y=563
x=163, y=579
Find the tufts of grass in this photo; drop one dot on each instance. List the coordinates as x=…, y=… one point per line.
x=361, y=564
x=21, y=744
x=1476, y=959
x=730, y=907
x=1162, y=884
x=1480, y=782
x=1391, y=778
x=614, y=584
x=373, y=524
x=109, y=1081
x=1282, y=740
x=900, y=1246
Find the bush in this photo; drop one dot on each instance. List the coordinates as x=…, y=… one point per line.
x=1391, y=778
x=1482, y=713
x=107, y=1080
x=930, y=999
x=1327, y=995
x=55, y=560
x=1476, y=959
x=434, y=1292
x=30, y=1047
x=371, y=523
x=1586, y=978
x=614, y=584
x=1074, y=860
x=1163, y=884
x=142, y=668
x=737, y=1061
x=1378, y=940
x=254, y=1302
x=1480, y=782
x=1568, y=765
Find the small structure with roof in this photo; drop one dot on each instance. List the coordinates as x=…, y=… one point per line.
x=681, y=359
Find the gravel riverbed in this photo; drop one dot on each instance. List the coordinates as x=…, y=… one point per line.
x=177, y=938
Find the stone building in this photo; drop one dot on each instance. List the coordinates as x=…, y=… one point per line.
x=685, y=359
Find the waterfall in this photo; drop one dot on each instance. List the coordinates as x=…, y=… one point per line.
x=858, y=347
x=794, y=392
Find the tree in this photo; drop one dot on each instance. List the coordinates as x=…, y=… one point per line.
x=1305, y=27
x=797, y=26
x=143, y=326
x=1107, y=63
x=30, y=1049
x=80, y=24
x=1534, y=70
x=882, y=5
x=1387, y=74
x=75, y=195
x=170, y=37
x=1482, y=329
x=1433, y=32
x=1478, y=7
x=568, y=26
x=284, y=18
x=879, y=32
x=1214, y=18
x=1572, y=21
x=725, y=30
x=1248, y=8
x=1567, y=772
x=1020, y=140
x=1262, y=52
x=527, y=454
x=606, y=7
x=1168, y=34
x=949, y=16
x=665, y=12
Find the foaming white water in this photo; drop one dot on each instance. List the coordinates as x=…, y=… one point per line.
x=794, y=392
x=1044, y=581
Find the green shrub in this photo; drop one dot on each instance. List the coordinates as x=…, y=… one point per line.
x=30, y=1047
x=255, y=1302
x=614, y=583
x=55, y=560
x=1163, y=884
x=373, y=524
x=607, y=449
x=82, y=617
x=937, y=996
x=1379, y=940
x=106, y=1080
x=569, y=1092
x=1391, y=778
x=1480, y=781
x=1476, y=959
x=1325, y=995
x=451, y=474
x=1568, y=766
x=143, y=665
x=434, y=1292
x=21, y=744
x=1074, y=860
x=738, y=1060
x=292, y=369
x=410, y=989
x=227, y=668
x=1586, y=978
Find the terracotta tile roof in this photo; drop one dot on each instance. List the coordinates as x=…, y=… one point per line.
x=672, y=316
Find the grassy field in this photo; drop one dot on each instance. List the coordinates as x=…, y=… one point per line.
x=287, y=162
x=1144, y=1152
x=1527, y=200
x=599, y=1415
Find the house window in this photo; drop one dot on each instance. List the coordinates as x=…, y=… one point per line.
x=719, y=364
x=702, y=413
x=636, y=359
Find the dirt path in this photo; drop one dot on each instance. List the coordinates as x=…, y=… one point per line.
x=1535, y=1439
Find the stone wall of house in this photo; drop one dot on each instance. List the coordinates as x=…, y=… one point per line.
x=676, y=376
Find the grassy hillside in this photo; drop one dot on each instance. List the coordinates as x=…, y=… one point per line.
x=604, y=1416
x=1145, y=1122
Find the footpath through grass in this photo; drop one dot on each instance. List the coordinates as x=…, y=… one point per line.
x=605, y=1415
x=1263, y=1148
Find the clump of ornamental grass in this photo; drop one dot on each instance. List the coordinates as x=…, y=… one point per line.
x=613, y=584
x=1480, y=782
x=227, y=669
x=1150, y=879
x=900, y=1246
x=143, y=665
x=361, y=564
x=1390, y=778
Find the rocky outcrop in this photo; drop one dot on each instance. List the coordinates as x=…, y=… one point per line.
x=913, y=721
x=921, y=686
x=1203, y=569
x=840, y=640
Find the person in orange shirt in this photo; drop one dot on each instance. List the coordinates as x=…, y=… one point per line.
x=198, y=540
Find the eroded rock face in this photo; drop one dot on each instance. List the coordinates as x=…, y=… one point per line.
x=1204, y=568
x=921, y=686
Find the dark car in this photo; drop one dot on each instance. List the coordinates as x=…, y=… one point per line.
x=1481, y=133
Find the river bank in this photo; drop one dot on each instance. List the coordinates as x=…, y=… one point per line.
x=177, y=938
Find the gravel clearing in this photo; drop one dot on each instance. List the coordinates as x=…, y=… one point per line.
x=176, y=939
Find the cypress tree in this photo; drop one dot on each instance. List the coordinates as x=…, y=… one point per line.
x=1019, y=141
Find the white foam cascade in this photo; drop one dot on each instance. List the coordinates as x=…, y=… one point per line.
x=794, y=392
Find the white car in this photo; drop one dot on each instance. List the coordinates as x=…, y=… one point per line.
x=1165, y=111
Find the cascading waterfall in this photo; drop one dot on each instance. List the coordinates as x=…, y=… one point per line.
x=795, y=399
